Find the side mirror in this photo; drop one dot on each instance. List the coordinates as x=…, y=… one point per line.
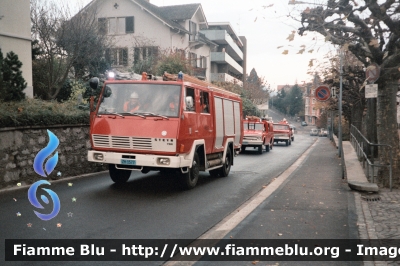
x=94, y=83
x=189, y=102
x=107, y=92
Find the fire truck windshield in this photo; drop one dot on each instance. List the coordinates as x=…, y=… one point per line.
x=253, y=126
x=142, y=99
x=281, y=127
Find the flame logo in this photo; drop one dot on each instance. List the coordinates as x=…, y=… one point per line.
x=32, y=198
x=44, y=153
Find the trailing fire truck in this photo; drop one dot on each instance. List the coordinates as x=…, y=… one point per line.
x=182, y=126
x=257, y=133
x=283, y=132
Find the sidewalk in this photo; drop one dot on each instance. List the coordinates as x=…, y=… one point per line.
x=379, y=213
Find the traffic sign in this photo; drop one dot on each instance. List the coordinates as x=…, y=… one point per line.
x=333, y=92
x=371, y=91
x=372, y=72
x=322, y=93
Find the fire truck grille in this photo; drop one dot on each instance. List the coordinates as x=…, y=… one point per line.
x=249, y=138
x=122, y=142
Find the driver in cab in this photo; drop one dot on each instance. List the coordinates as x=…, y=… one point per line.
x=133, y=104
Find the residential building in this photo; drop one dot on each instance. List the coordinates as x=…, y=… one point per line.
x=228, y=62
x=140, y=30
x=311, y=111
x=15, y=36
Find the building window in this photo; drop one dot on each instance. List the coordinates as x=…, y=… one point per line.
x=103, y=26
x=116, y=25
x=193, y=59
x=129, y=25
x=203, y=62
x=192, y=30
x=117, y=56
x=144, y=53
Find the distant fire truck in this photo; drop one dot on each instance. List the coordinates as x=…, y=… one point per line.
x=182, y=126
x=257, y=133
x=283, y=132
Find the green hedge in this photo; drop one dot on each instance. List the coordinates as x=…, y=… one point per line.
x=34, y=112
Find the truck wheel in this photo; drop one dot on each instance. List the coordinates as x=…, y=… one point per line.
x=224, y=170
x=243, y=148
x=189, y=179
x=290, y=142
x=117, y=175
x=287, y=142
x=267, y=147
x=293, y=138
x=260, y=149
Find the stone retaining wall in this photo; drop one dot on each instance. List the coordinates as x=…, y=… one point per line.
x=19, y=147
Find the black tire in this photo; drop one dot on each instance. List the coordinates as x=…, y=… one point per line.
x=293, y=138
x=189, y=179
x=267, y=147
x=290, y=142
x=243, y=148
x=287, y=142
x=226, y=168
x=117, y=175
x=260, y=149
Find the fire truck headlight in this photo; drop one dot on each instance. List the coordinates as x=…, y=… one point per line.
x=163, y=161
x=111, y=75
x=98, y=156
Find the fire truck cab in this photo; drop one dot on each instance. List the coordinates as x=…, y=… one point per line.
x=181, y=126
x=257, y=133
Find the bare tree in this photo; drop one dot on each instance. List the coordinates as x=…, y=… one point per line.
x=371, y=31
x=69, y=44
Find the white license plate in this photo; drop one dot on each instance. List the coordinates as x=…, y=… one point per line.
x=128, y=162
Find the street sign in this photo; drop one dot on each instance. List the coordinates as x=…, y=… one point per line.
x=371, y=91
x=372, y=72
x=322, y=93
x=333, y=92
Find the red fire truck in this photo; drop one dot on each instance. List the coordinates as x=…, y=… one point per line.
x=257, y=133
x=182, y=126
x=283, y=132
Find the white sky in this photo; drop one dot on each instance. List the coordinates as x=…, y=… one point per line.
x=265, y=30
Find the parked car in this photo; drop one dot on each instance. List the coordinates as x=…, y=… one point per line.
x=323, y=132
x=304, y=123
x=314, y=132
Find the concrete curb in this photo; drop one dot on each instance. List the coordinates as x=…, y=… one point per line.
x=354, y=172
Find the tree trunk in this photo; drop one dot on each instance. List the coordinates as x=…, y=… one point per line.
x=387, y=130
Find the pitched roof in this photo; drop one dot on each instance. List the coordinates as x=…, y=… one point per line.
x=179, y=12
x=157, y=12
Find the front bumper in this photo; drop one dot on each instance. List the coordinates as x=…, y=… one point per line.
x=252, y=142
x=138, y=160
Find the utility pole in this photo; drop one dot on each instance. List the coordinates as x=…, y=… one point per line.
x=340, y=104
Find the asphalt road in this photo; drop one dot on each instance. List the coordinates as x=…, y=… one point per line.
x=148, y=206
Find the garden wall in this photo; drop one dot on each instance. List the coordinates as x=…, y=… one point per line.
x=19, y=147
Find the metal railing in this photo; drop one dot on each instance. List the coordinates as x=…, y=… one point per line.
x=361, y=145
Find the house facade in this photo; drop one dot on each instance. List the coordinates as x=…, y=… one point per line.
x=311, y=111
x=15, y=36
x=139, y=30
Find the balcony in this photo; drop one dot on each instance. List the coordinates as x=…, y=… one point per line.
x=198, y=40
x=225, y=58
x=223, y=77
x=199, y=72
x=222, y=37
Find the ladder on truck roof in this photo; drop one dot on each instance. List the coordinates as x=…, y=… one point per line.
x=188, y=78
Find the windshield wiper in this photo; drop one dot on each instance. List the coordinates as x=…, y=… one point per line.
x=111, y=113
x=135, y=114
x=153, y=114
